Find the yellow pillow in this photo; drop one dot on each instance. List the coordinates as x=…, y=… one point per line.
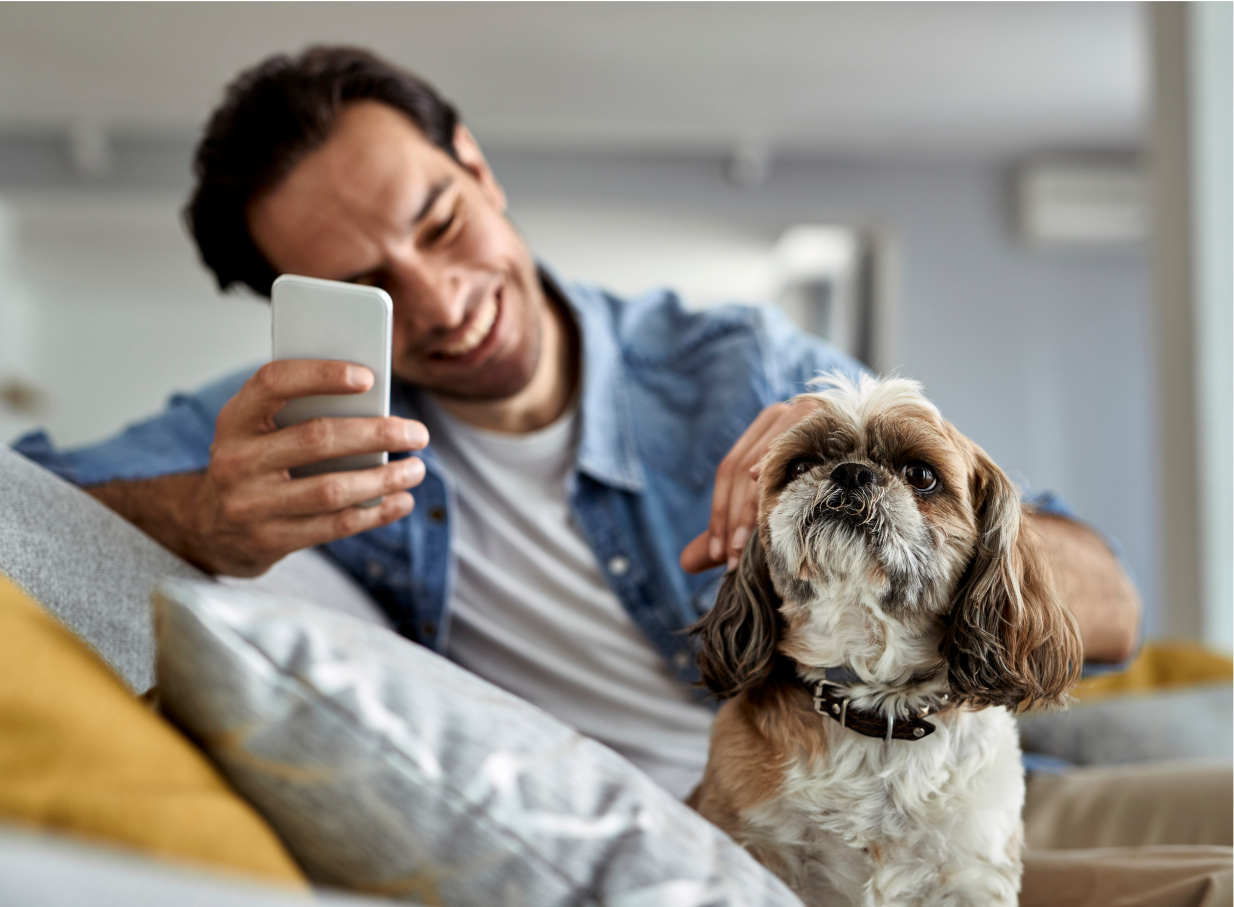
x=1161, y=666
x=80, y=755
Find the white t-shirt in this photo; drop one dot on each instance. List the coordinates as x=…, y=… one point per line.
x=534, y=614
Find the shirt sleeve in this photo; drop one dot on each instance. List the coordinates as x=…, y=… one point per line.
x=1051, y=503
x=795, y=358
x=177, y=440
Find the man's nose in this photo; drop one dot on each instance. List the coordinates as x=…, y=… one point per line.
x=851, y=476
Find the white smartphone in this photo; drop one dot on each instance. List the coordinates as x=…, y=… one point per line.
x=326, y=319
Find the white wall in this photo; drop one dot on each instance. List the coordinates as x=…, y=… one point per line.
x=114, y=312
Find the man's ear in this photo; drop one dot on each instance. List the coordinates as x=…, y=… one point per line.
x=738, y=635
x=468, y=152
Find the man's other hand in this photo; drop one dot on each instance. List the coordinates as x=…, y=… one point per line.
x=246, y=512
x=734, y=503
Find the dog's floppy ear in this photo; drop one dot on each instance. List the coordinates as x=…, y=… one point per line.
x=739, y=634
x=1010, y=640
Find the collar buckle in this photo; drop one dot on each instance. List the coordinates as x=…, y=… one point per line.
x=836, y=710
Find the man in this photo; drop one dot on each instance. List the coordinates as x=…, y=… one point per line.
x=574, y=437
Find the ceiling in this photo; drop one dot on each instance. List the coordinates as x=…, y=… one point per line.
x=798, y=78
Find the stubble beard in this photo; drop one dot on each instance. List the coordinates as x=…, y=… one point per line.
x=497, y=379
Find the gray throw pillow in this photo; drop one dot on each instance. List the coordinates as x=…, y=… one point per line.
x=1186, y=723
x=84, y=564
x=389, y=770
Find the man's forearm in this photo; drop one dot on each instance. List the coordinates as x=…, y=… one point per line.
x=1093, y=586
x=167, y=508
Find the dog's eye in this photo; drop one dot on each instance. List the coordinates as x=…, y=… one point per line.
x=920, y=476
x=799, y=468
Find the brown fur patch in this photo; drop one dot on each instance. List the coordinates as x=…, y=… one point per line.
x=754, y=738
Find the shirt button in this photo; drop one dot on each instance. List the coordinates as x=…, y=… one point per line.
x=681, y=660
x=374, y=569
x=618, y=566
x=437, y=514
x=428, y=628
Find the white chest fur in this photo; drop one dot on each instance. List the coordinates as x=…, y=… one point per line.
x=935, y=821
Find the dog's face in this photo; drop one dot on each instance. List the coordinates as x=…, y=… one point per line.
x=890, y=542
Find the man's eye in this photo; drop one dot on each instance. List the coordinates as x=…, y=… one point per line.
x=920, y=476
x=439, y=230
x=799, y=468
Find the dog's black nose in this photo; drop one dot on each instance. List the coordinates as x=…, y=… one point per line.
x=850, y=476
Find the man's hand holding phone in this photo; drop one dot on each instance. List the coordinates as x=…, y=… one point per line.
x=256, y=512
x=300, y=452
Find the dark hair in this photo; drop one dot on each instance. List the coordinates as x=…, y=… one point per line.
x=271, y=117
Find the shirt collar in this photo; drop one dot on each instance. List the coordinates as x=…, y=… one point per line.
x=606, y=448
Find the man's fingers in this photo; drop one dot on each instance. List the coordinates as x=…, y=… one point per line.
x=328, y=527
x=278, y=538
x=734, y=504
x=276, y=383
x=744, y=491
x=265, y=458
x=743, y=488
x=732, y=471
x=323, y=439
x=756, y=471
x=254, y=503
x=695, y=557
x=743, y=497
x=335, y=491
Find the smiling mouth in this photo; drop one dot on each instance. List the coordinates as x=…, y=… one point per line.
x=475, y=335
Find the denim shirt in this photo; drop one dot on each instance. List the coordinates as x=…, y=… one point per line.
x=665, y=393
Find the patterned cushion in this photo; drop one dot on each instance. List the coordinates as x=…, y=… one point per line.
x=387, y=769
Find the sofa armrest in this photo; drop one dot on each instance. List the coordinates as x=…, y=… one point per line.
x=89, y=567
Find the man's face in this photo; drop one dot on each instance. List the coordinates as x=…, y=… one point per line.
x=379, y=204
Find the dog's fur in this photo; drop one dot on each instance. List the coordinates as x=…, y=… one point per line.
x=939, y=597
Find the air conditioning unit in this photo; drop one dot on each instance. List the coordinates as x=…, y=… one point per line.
x=1082, y=204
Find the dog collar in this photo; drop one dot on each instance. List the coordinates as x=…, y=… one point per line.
x=831, y=699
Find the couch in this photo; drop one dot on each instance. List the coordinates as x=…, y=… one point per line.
x=316, y=753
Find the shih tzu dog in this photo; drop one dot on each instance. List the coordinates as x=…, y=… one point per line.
x=892, y=610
